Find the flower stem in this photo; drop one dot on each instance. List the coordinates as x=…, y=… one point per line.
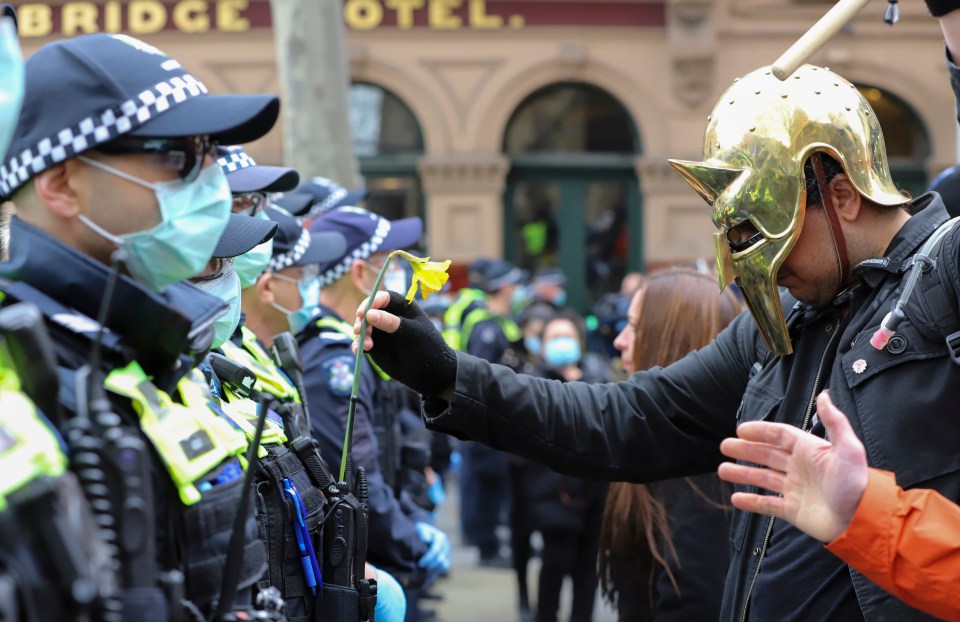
x=357, y=367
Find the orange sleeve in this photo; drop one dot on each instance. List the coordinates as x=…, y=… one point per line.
x=908, y=543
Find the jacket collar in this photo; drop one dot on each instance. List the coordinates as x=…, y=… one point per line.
x=928, y=214
x=159, y=328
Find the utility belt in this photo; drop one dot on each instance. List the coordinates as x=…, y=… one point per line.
x=314, y=529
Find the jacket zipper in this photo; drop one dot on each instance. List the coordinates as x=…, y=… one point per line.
x=806, y=423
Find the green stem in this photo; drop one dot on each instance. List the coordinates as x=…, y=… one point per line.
x=348, y=437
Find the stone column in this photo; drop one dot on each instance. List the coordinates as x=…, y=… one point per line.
x=464, y=204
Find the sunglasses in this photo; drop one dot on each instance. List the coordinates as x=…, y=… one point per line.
x=250, y=203
x=182, y=154
x=743, y=236
x=214, y=270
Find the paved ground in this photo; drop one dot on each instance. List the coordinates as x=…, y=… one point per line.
x=474, y=594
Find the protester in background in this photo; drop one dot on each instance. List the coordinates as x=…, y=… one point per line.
x=631, y=283
x=565, y=510
x=664, y=545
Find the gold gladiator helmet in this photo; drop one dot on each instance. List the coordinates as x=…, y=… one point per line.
x=758, y=137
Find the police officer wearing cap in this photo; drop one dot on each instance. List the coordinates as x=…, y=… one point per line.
x=479, y=323
x=118, y=201
x=401, y=536
x=277, y=376
x=319, y=195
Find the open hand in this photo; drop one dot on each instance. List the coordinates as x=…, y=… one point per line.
x=819, y=482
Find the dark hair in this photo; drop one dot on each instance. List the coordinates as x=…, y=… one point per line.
x=565, y=315
x=831, y=168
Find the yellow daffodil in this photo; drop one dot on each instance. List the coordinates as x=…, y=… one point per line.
x=431, y=275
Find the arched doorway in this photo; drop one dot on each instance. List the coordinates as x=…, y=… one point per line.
x=908, y=143
x=387, y=141
x=572, y=198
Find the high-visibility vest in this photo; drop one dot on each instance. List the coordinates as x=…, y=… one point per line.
x=190, y=438
x=28, y=447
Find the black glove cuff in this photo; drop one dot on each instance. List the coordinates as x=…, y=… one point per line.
x=938, y=8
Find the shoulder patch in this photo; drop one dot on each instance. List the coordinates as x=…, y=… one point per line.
x=488, y=334
x=338, y=371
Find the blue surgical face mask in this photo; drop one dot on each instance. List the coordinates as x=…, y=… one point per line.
x=532, y=344
x=309, y=289
x=395, y=279
x=226, y=287
x=251, y=264
x=11, y=82
x=561, y=298
x=194, y=216
x=561, y=351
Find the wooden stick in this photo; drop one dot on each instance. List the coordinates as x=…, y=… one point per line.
x=821, y=32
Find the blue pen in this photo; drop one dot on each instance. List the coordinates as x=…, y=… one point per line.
x=305, y=560
x=302, y=515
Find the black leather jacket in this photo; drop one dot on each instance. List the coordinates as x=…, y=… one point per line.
x=668, y=422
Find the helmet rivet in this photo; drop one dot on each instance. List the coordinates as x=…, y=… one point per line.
x=826, y=69
x=860, y=164
x=816, y=92
x=717, y=145
x=796, y=77
x=783, y=95
x=709, y=117
x=730, y=102
x=736, y=79
x=836, y=84
x=767, y=73
x=753, y=128
x=848, y=108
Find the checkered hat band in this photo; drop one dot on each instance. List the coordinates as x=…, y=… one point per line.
x=328, y=203
x=363, y=251
x=283, y=261
x=96, y=129
x=235, y=162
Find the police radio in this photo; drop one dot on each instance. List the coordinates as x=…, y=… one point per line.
x=113, y=465
x=286, y=354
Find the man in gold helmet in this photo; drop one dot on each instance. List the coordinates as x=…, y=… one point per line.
x=796, y=176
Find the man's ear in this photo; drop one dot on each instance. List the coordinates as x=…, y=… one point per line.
x=356, y=274
x=56, y=188
x=846, y=199
x=264, y=287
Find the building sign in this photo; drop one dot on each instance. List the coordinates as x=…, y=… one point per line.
x=497, y=14
x=137, y=17
x=143, y=17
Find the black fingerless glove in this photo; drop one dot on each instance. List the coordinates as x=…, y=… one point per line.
x=938, y=8
x=416, y=355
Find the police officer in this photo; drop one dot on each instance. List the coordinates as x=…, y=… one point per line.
x=292, y=251
x=401, y=536
x=319, y=195
x=485, y=329
x=111, y=173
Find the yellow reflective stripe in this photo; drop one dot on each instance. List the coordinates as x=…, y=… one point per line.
x=269, y=378
x=347, y=329
x=453, y=318
x=191, y=439
x=244, y=413
x=28, y=448
x=509, y=327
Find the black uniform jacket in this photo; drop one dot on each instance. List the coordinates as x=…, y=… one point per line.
x=663, y=423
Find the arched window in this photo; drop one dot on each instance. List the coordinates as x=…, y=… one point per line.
x=570, y=118
x=572, y=197
x=387, y=141
x=908, y=144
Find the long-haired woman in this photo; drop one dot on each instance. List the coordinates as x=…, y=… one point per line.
x=664, y=547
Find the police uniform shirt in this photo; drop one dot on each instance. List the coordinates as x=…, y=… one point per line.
x=328, y=364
